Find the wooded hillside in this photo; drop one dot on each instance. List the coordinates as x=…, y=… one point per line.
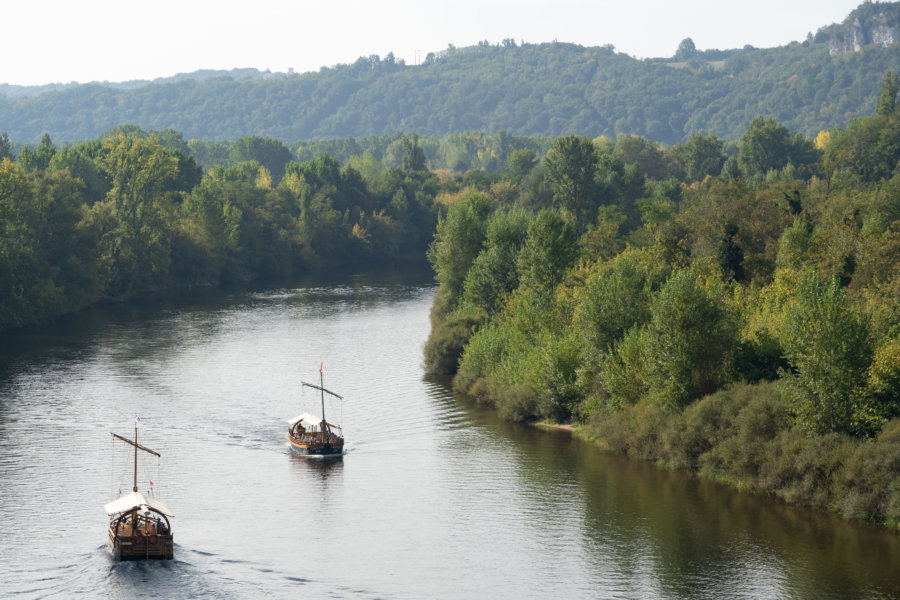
x=525, y=89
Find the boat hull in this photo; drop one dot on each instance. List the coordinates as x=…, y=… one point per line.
x=141, y=547
x=331, y=448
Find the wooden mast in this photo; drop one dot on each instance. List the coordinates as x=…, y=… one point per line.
x=321, y=388
x=136, y=448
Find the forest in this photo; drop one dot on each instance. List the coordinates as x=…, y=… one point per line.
x=132, y=213
x=736, y=316
x=525, y=89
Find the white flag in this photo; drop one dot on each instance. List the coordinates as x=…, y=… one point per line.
x=137, y=420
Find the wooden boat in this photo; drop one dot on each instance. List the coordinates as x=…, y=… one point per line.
x=314, y=436
x=139, y=527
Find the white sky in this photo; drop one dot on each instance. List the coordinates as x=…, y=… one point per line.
x=48, y=41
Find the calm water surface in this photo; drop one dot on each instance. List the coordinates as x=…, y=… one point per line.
x=434, y=498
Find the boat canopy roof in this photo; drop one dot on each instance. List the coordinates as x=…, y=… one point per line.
x=136, y=500
x=312, y=420
x=307, y=418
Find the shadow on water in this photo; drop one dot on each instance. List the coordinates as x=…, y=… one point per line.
x=323, y=468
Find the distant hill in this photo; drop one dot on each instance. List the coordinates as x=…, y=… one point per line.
x=531, y=89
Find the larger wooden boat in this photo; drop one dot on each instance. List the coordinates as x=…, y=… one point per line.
x=311, y=435
x=139, y=527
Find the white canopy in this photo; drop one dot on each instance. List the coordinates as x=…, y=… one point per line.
x=308, y=418
x=135, y=500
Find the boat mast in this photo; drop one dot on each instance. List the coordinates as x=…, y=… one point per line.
x=322, y=387
x=136, y=448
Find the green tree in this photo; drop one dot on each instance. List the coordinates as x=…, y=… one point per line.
x=686, y=50
x=691, y=340
x=520, y=162
x=890, y=87
x=413, y=155
x=614, y=300
x=768, y=146
x=6, y=152
x=270, y=153
x=572, y=170
x=457, y=242
x=702, y=156
x=828, y=348
x=494, y=273
x=138, y=247
x=550, y=249
x=44, y=153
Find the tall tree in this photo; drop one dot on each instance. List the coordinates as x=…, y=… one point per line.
x=828, y=348
x=890, y=87
x=5, y=147
x=572, y=170
x=550, y=248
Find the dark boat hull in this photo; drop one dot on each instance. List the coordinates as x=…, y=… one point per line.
x=306, y=447
x=153, y=547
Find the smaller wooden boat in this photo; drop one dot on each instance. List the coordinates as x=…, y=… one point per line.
x=139, y=527
x=314, y=436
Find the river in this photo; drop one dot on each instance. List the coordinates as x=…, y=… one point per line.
x=434, y=498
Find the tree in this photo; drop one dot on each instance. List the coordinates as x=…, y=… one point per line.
x=44, y=153
x=5, y=147
x=614, y=300
x=520, y=163
x=270, y=153
x=494, y=273
x=702, y=156
x=890, y=87
x=768, y=146
x=827, y=346
x=690, y=341
x=457, y=241
x=413, y=155
x=138, y=246
x=572, y=170
x=550, y=248
x=686, y=50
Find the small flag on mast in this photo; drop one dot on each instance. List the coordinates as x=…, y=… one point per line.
x=151, y=482
x=321, y=364
x=137, y=420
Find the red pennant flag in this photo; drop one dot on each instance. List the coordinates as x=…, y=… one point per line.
x=151, y=482
x=320, y=366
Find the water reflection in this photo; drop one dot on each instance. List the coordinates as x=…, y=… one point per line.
x=654, y=533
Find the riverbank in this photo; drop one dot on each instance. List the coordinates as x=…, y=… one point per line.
x=741, y=437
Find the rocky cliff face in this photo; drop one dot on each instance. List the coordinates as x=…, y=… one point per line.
x=879, y=29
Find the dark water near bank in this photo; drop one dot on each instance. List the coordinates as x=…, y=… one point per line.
x=435, y=498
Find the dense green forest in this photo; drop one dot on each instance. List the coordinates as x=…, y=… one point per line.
x=546, y=89
x=131, y=212
x=735, y=316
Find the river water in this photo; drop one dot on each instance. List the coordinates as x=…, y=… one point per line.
x=434, y=498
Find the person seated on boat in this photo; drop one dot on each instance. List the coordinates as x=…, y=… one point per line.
x=161, y=527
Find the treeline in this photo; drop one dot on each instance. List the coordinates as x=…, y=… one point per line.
x=547, y=89
x=132, y=212
x=459, y=152
x=738, y=316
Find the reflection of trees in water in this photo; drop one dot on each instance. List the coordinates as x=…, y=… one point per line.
x=670, y=533
x=680, y=520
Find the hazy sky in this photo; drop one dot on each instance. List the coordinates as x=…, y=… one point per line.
x=47, y=41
